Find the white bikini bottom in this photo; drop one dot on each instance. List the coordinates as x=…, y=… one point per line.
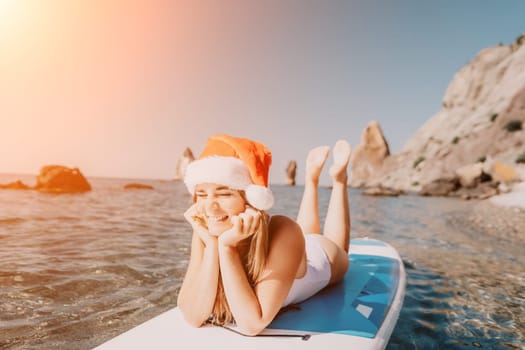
x=318, y=272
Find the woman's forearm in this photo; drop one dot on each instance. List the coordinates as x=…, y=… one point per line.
x=241, y=297
x=199, y=289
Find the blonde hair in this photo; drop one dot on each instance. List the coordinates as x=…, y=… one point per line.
x=253, y=262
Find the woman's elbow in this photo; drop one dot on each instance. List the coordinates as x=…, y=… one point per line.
x=191, y=318
x=252, y=329
x=194, y=321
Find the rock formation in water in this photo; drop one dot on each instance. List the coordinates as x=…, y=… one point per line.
x=368, y=157
x=291, y=171
x=61, y=179
x=186, y=158
x=137, y=186
x=17, y=185
x=482, y=118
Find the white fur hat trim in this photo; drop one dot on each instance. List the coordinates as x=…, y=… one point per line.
x=230, y=172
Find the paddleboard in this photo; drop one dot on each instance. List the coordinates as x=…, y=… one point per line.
x=358, y=313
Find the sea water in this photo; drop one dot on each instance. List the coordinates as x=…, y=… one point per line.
x=77, y=270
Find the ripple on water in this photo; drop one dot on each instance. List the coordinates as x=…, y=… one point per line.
x=431, y=319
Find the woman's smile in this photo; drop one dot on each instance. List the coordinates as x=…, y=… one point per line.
x=217, y=224
x=217, y=219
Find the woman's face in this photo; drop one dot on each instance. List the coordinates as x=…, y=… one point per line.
x=218, y=204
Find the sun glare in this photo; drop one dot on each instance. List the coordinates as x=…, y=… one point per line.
x=8, y=9
x=5, y=6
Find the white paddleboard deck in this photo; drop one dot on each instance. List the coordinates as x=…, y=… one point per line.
x=358, y=313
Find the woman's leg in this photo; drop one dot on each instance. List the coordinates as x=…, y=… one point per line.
x=337, y=224
x=308, y=216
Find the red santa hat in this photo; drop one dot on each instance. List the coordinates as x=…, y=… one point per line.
x=237, y=163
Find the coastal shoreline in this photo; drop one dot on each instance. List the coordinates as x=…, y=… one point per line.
x=514, y=199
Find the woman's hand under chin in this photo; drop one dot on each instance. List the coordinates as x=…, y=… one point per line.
x=244, y=225
x=194, y=217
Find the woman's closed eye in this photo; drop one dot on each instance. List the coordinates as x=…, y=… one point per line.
x=219, y=194
x=224, y=194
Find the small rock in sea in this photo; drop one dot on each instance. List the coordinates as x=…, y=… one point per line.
x=291, y=171
x=136, y=186
x=17, y=185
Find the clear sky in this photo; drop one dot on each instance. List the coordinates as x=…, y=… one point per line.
x=120, y=88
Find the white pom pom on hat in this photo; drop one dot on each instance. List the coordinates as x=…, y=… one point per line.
x=259, y=196
x=238, y=163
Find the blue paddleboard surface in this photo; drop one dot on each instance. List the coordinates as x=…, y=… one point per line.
x=357, y=306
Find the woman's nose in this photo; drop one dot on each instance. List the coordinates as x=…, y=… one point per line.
x=211, y=203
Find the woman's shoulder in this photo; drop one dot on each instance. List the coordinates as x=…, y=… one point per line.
x=283, y=227
x=282, y=221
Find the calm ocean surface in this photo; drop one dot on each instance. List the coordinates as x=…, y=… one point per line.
x=77, y=270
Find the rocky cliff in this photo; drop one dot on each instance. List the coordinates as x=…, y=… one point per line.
x=482, y=118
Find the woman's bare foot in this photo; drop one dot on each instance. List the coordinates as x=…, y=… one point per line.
x=342, y=151
x=315, y=161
